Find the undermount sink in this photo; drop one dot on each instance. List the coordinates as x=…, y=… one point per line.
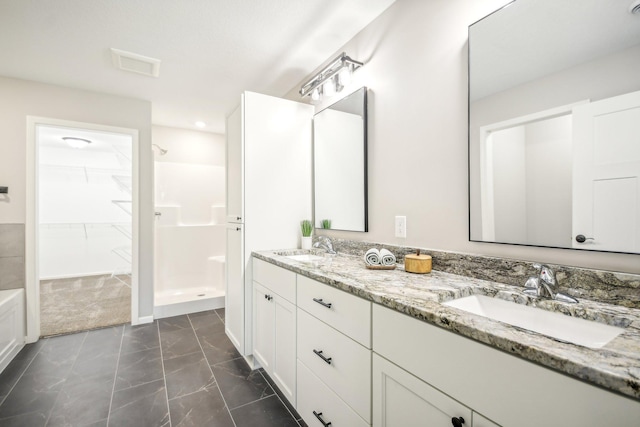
x=562, y=327
x=305, y=257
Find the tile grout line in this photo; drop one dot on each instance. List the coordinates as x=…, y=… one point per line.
x=278, y=395
x=115, y=376
x=22, y=373
x=164, y=374
x=211, y=369
x=86, y=334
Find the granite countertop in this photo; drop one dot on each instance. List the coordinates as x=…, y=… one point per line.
x=616, y=366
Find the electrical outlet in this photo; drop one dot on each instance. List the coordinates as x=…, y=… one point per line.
x=401, y=226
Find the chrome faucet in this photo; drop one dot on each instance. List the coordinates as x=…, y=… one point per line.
x=544, y=285
x=325, y=243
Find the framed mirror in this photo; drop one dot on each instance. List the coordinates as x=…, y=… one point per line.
x=340, y=164
x=554, y=125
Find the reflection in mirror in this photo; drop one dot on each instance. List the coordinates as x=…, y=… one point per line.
x=554, y=125
x=340, y=164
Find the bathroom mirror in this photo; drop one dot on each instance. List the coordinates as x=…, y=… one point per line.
x=554, y=125
x=340, y=164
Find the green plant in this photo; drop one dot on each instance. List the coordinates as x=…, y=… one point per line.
x=326, y=224
x=306, y=227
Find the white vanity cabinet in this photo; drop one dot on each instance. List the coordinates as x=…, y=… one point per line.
x=334, y=356
x=508, y=390
x=274, y=316
x=401, y=399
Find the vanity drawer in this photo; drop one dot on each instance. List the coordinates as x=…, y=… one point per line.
x=315, y=396
x=347, y=313
x=348, y=372
x=277, y=279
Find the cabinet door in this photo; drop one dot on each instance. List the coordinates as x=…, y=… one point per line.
x=263, y=327
x=284, y=360
x=234, y=296
x=235, y=167
x=400, y=399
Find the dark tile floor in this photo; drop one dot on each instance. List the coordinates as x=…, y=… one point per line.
x=175, y=372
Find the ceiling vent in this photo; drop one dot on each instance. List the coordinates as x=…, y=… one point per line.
x=135, y=63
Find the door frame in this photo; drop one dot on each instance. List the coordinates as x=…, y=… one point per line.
x=32, y=285
x=486, y=163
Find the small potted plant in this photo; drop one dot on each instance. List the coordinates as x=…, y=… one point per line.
x=307, y=228
x=326, y=224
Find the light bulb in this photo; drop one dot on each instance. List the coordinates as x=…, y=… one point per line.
x=329, y=88
x=315, y=95
x=345, y=75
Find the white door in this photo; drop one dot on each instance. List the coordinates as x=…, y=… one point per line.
x=400, y=399
x=234, y=296
x=235, y=166
x=606, y=174
x=284, y=357
x=264, y=326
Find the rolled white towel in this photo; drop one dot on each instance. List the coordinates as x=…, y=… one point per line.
x=372, y=257
x=386, y=257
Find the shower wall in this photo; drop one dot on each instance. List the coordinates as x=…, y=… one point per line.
x=190, y=215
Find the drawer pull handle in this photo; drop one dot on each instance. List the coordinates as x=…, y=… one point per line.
x=321, y=356
x=457, y=421
x=319, y=301
x=319, y=417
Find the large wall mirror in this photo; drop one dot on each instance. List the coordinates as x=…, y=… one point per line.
x=554, y=125
x=340, y=164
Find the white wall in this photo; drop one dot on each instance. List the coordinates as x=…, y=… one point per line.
x=415, y=58
x=549, y=182
x=509, y=185
x=21, y=98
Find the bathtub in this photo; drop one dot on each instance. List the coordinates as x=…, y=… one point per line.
x=12, y=325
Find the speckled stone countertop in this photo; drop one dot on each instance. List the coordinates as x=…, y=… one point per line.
x=615, y=367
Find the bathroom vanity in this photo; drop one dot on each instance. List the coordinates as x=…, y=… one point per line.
x=357, y=347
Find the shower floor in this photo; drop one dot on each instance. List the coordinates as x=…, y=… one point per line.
x=84, y=303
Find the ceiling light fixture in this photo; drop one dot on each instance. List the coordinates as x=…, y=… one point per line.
x=76, y=142
x=200, y=124
x=327, y=79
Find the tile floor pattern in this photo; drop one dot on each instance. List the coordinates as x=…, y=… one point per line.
x=175, y=372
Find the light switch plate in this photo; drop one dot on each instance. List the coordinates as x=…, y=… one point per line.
x=401, y=226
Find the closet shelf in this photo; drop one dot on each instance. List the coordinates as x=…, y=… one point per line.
x=123, y=252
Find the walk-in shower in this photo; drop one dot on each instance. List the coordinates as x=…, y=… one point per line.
x=189, y=221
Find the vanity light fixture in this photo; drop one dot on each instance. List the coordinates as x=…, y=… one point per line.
x=329, y=87
x=331, y=78
x=74, y=142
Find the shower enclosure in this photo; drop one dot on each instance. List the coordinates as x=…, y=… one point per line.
x=189, y=225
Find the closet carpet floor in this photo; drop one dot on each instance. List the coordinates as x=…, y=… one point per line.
x=84, y=303
x=175, y=372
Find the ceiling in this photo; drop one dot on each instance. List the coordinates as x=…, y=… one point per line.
x=210, y=50
x=529, y=39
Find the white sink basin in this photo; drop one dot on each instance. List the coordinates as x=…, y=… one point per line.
x=565, y=328
x=305, y=258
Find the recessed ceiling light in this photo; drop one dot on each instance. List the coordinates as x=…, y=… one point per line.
x=201, y=124
x=76, y=142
